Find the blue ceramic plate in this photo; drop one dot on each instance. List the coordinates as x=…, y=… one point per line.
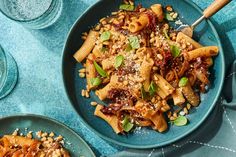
x=205, y=33
x=73, y=142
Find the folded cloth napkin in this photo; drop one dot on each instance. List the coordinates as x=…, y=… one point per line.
x=216, y=137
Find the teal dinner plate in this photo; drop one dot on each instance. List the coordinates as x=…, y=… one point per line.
x=205, y=33
x=25, y=123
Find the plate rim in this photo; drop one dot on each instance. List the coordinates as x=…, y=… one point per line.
x=28, y=115
x=214, y=102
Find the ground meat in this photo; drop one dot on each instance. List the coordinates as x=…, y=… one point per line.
x=119, y=98
x=152, y=21
x=167, y=57
x=111, y=109
x=128, y=69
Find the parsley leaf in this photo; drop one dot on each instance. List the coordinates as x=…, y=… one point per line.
x=127, y=7
x=95, y=81
x=152, y=88
x=175, y=51
x=105, y=36
x=134, y=42
x=183, y=81
x=180, y=121
x=99, y=69
x=126, y=124
x=118, y=61
x=144, y=94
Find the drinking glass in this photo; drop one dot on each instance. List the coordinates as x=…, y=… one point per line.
x=8, y=73
x=34, y=14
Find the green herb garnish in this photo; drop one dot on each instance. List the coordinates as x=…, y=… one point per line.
x=128, y=48
x=99, y=69
x=105, y=36
x=134, y=42
x=175, y=51
x=183, y=81
x=168, y=17
x=118, y=61
x=180, y=121
x=126, y=124
x=166, y=34
x=152, y=88
x=144, y=94
x=95, y=81
x=127, y=7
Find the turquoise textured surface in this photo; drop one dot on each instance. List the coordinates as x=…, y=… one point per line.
x=38, y=55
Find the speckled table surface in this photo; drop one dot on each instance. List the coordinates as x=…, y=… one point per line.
x=38, y=54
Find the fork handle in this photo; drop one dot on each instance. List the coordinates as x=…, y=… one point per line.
x=214, y=7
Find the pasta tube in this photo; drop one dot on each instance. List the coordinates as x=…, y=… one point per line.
x=165, y=107
x=157, y=9
x=178, y=97
x=208, y=51
x=186, y=39
x=112, y=120
x=90, y=71
x=208, y=62
x=97, y=52
x=144, y=109
x=156, y=117
x=192, y=97
x=19, y=140
x=139, y=24
x=108, y=63
x=201, y=76
x=159, y=122
x=102, y=93
x=161, y=93
x=163, y=84
x=87, y=46
x=145, y=72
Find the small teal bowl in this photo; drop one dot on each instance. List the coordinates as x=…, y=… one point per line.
x=30, y=122
x=205, y=33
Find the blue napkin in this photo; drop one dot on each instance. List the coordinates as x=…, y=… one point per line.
x=215, y=137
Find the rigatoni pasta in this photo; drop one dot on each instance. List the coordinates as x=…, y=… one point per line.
x=26, y=146
x=87, y=47
x=144, y=68
x=138, y=24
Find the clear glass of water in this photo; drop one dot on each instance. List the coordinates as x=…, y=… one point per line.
x=34, y=14
x=8, y=73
